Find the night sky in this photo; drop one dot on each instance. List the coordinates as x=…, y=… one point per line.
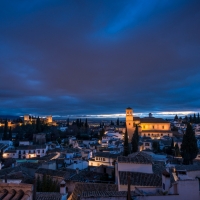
x=99, y=57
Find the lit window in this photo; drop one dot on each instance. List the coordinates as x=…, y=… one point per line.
x=163, y=127
x=143, y=126
x=91, y=164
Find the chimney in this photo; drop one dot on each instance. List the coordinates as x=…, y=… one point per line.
x=62, y=187
x=5, y=178
x=34, y=189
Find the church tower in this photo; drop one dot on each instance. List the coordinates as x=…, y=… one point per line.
x=129, y=122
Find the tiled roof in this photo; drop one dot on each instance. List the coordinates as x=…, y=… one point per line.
x=48, y=196
x=15, y=191
x=188, y=167
x=140, y=179
x=82, y=188
x=153, y=120
x=31, y=147
x=30, y=165
x=85, y=176
x=57, y=173
x=106, y=194
x=106, y=155
x=10, y=151
x=138, y=157
x=9, y=170
x=156, y=131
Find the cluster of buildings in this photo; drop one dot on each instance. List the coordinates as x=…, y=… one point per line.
x=95, y=168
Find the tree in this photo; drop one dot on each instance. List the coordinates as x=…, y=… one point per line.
x=156, y=146
x=67, y=122
x=176, y=118
x=101, y=133
x=126, y=145
x=191, y=119
x=198, y=119
x=117, y=121
x=194, y=118
x=176, y=150
x=189, y=148
x=5, y=133
x=172, y=146
x=111, y=123
x=86, y=123
x=10, y=134
x=135, y=140
x=38, y=125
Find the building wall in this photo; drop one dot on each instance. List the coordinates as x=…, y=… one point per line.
x=155, y=126
x=188, y=189
x=146, y=189
x=193, y=174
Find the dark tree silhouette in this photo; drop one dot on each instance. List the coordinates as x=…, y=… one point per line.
x=189, y=148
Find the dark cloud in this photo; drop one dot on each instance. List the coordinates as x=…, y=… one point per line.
x=94, y=57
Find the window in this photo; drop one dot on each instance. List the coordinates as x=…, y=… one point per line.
x=129, y=123
x=146, y=144
x=104, y=159
x=144, y=127
x=91, y=164
x=149, y=134
x=42, y=151
x=38, y=151
x=161, y=134
x=163, y=127
x=152, y=127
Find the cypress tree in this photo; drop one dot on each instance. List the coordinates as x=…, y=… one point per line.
x=198, y=119
x=194, y=118
x=5, y=133
x=135, y=140
x=67, y=122
x=191, y=119
x=172, y=146
x=38, y=125
x=10, y=134
x=117, y=121
x=176, y=118
x=126, y=145
x=86, y=123
x=176, y=150
x=189, y=148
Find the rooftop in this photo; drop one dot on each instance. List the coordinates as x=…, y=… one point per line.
x=48, y=196
x=67, y=174
x=153, y=120
x=138, y=157
x=86, y=188
x=140, y=179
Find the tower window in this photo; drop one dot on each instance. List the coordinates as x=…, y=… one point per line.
x=129, y=123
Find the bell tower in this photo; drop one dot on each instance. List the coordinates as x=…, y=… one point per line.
x=129, y=122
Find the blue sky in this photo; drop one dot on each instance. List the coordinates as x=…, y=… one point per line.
x=99, y=57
